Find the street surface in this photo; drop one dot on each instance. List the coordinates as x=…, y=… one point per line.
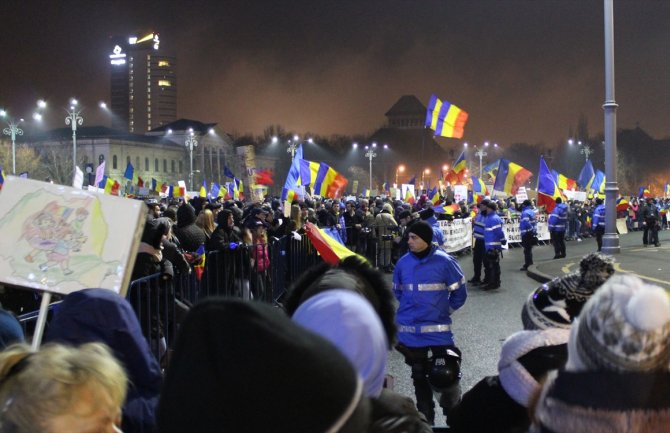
x=487, y=318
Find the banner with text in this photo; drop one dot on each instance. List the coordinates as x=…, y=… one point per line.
x=457, y=234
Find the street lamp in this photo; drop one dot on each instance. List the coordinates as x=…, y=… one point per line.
x=584, y=148
x=399, y=169
x=73, y=118
x=191, y=142
x=12, y=130
x=370, y=154
x=423, y=174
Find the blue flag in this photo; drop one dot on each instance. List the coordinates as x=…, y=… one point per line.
x=227, y=172
x=586, y=175
x=130, y=171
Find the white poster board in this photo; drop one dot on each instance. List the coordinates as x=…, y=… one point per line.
x=521, y=194
x=60, y=239
x=460, y=193
x=575, y=195
x=513, y=235
x=457, y=234
x=407, y=187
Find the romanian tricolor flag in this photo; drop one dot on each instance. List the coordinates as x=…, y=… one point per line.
x=586, y=176
x=492, y=168
x=564, y=182
x=140, y=182
x=109, y=185
x=178, y=191
x=199, y=267
x=644, y=192
x=446, y=119
x=434, y=196
x=457, y=173
x=547, y=190
x=621, y=204
x=598, y=184
x=330, y=249
x=323, y=179
x=2, y=177
x=478, y=189
x=203, y=189
x=366, y=193
x=667, y=189
x=409, y=197
x=511, y=176
x=449, y=209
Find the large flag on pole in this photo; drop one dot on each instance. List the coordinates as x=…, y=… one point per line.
x=598, y=184
x=564, y=182
x=446, y=119
x=323, y=179
x=547, y=190
x=478, y=189
x=586, y=176
x=510, y=177
x=130, y=171
x=457, y=173
x=291, y=184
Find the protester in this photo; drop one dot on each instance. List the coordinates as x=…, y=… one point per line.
x=150, y=258
x=11, y=331
x=385, y=225
x=102, y=316
x=525, y=360
x=60, y=389
x=651, y=223
x=205, y=220
x=556, y=303
x=189, y=234
x=220, y=381
x=430, y=286
x=617, y=376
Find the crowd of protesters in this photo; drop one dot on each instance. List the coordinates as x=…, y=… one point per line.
x=593, y=355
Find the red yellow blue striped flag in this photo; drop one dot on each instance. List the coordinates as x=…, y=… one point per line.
x=511, y=176
x=446, y=119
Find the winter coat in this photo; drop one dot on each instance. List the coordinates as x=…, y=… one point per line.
x=528, y=221
x=190, y=235
x=598, y=220
x=558, y=218
x=99, y=315
x=493, y=232
x=429, y=290
x=479, y=226
x=396, y=413
x=385, y=223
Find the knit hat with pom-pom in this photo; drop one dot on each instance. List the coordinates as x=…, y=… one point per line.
x=624, y=327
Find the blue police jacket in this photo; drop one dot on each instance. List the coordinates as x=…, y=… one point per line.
x=429, y=290
x=598, y=217
x=479, y=226
x=493, y=232
x=558, y=218
x=528, y=221
x=438, y=237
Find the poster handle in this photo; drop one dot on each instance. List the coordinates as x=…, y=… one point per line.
x=41, y=320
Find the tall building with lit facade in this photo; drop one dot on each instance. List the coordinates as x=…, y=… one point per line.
x=143, y=84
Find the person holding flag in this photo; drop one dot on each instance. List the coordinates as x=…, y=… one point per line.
x=528, y=230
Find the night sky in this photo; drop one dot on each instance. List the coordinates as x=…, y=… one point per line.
x=524, y=70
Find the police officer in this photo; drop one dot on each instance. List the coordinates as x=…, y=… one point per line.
x=479, y=252
x=528, y=230
x=650, y=220
x=429, y=285
x=494, y=239
x=557, y=222
x=598, y=222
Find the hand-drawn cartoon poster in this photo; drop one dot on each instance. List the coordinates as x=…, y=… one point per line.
x=61, y=239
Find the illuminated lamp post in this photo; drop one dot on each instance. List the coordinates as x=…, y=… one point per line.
x=12, y=130
x=399, y=169
x=191, y=142
x=73, y=118
x=370, y=154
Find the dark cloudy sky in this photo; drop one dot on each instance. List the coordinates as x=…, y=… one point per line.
x=524, y=70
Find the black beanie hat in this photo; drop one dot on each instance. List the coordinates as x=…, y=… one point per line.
x=185, y=215
x=154, y=230
x=423, y=230
x=233, y=359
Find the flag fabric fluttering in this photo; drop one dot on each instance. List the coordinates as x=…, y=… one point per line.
x=214, y=192
x=291, y=184
x=323, y=179
x=140, y=182
x=412, y=181
x=621, y=204
x=227, y=172
x=492, y=169
x=667, y=189
x=510, y=177
x=547, y=190
x=586, y=176
x=478, y=189
x=264, y=177
x=100, y=174
x=447, y=209
x=2, y=177
x=199, y=266
x=457, y=173
x=409, y=197
x=130, y=171
x=446, y=119
x=598, y=184
x=564, y=182
x=330, y=249
x=203, y=189
x=434, y=196
x=644, y=192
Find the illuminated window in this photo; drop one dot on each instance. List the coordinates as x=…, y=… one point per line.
x=164, y=83
x=163, y=63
